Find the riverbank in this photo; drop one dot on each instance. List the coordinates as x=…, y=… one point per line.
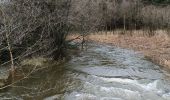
x=156, y=48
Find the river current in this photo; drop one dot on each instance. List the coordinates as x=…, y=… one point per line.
x=101, y=72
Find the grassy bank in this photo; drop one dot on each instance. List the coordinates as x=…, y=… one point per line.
x=156, y=48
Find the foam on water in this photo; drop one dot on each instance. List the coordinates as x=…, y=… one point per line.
x=147, y=87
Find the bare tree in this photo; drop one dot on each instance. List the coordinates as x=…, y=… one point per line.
x=34, y=27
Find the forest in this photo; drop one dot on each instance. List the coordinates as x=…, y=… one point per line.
x=39, y=29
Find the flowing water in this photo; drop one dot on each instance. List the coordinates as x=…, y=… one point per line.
x=101, y=72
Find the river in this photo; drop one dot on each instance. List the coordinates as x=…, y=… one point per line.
x=101, y=72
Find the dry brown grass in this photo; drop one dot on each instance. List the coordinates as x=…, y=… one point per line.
x=156, y=48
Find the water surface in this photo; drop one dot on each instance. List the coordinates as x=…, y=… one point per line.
x=102, y=72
